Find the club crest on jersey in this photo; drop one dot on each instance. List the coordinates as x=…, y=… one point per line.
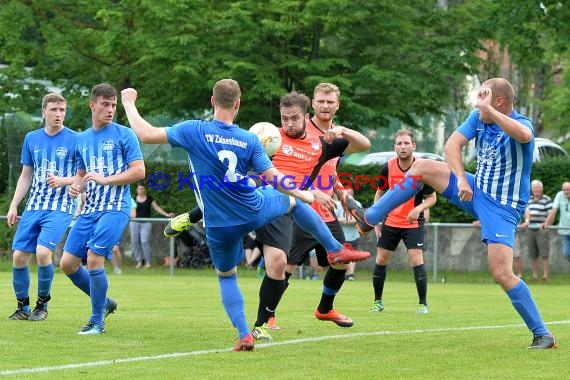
x=108, y=146
x=287, y=149
x=316, y=145
x=61, y=152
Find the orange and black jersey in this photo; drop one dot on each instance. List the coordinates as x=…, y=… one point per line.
x=395, y=175
x=302, y=159
x=326, y=176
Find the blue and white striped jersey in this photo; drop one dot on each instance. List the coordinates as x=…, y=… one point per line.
x=107, y=151
x=503, y=164
x=50, y=155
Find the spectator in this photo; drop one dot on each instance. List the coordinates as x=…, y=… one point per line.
x=141, y=231
x=561, y=203
x=537, y=237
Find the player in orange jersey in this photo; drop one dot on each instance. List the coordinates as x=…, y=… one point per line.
x=406, y=222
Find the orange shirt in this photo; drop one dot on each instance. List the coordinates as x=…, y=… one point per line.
x=325, y=178
x=306, y=162
x=398, y=217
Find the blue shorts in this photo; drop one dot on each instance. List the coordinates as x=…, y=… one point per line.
x=42, y=227
x=98, y=231
x=226, y=243
x=498, y=223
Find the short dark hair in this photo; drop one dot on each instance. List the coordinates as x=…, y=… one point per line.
x=226, y=92
x=295, y=98
x=52, y=98
x=103, y=90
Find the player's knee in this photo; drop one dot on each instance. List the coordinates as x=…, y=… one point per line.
x=69, y=264
x=20, y=259
x=228, y=273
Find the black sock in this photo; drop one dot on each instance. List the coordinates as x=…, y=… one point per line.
x=195, y=215
x=270, y=293
x=334, y=278
x=420, y=275
x=378, y=280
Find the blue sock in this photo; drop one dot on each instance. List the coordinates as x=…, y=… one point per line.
x=21, y=284
x=311, y=222
x=401, y=192
x=81, y=280
x=523, y=303
x=99, y=287
x=45, y=278
x=232, y=299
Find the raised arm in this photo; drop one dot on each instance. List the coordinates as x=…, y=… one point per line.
x=357, y=142
x=146, y=132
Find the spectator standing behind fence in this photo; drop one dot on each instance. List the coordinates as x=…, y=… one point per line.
x=537, y=237
x=351, y=234
x=141, y=231
x=561, y=203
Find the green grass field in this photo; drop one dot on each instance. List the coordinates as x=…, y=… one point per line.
x=174, y=327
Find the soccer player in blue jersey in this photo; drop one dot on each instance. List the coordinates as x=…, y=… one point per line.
x=109, y=159
x=220, y=155
x=48, y=166
x=497, y=194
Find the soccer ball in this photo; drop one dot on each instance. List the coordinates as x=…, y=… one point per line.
x=269, y=136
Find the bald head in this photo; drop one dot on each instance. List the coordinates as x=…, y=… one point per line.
x=501, y=88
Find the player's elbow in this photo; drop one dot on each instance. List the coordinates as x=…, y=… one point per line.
x=525, y=136
x=145, y=137
x=139, y=173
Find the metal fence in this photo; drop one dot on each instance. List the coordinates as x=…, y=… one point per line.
x=450, y=247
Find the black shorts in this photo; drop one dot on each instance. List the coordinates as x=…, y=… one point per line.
x=277, y=234
x=248, y=242
x=390, y=238
x=304, y=242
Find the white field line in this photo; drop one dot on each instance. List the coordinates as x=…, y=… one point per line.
x=21, y=371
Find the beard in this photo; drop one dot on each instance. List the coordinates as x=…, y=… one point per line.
x=297, y=135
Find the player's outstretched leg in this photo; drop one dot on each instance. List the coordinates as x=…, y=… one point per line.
x=181, y=222
x=312, y=223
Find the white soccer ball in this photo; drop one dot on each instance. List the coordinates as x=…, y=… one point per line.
x=269, y=136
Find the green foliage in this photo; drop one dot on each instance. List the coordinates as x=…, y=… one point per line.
x=413, y=62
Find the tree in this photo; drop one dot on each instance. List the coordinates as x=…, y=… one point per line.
x=389, y=60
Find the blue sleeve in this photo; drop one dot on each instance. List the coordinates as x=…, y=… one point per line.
x=179, y=135
x=260, y=162
x=525, y=121
x=469, y=126
x=26, y=158
x=78, y=156
x=132, y=148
